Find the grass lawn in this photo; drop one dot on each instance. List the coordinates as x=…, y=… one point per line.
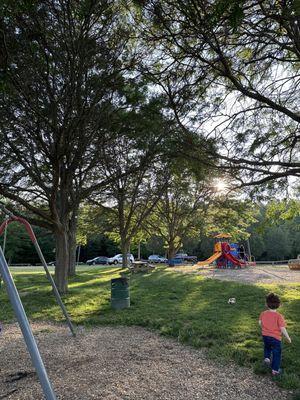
x=187, y=307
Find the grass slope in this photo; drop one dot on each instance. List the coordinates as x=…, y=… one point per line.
x=187, y=307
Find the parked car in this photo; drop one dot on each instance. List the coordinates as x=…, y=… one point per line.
x=157, y=259
x=181, y=255
x=98, y=260
x=185, y=257
x=118, y=259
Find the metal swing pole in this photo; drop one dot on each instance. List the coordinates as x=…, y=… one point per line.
x=56, y=292
x=33, y=238
x=26, y=329
x=4, y=238
x=4, y=246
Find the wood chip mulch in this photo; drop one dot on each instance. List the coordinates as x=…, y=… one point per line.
x=118, y=363
x=252, y=275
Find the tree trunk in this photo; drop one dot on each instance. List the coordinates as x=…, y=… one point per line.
x=65, y=216
x=124, y=248
x=72, y=242
x=171, y=251
x=62, y=260
x=72, y=250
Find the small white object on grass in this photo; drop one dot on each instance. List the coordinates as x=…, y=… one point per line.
x=231, y=300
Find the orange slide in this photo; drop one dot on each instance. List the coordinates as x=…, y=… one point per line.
x=211, y=259
x=215, y=256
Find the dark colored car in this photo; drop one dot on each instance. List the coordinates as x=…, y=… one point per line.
x=98, y=260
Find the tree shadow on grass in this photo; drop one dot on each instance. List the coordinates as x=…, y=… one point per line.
x=189, y=308
x=196, y=312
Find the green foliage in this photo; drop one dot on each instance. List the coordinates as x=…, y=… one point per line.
x=20, y=249
x=93, y=223
x=155, y=245
x=232, y=9
x=276, y=235
x=187, y=307
x=179, y=212
x=278, y=244
x=245, y=54
x=283, y=210
x=295, y=5
x=216, y=52
x=99, y=245
x=230, y=216
x=92, y=220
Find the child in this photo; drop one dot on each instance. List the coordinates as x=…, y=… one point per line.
x=273, y=326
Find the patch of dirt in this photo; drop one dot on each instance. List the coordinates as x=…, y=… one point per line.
x=258, y=274
x=118, y=363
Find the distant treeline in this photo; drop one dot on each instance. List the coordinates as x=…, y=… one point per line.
x=268, y=241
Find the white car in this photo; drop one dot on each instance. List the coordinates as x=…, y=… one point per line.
x=157, y=259
x=118, y=259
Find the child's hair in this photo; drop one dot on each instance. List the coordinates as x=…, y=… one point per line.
x=273, y=301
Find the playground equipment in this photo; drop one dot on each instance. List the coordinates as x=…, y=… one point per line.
x=18, y=306
x=226, y=254
x=294, y=264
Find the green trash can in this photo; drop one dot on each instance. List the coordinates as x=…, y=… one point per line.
x=120, y=297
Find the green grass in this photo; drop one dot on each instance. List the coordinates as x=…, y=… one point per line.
x=188, y=307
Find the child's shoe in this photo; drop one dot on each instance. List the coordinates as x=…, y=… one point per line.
x=276, y=374
x=267, y=362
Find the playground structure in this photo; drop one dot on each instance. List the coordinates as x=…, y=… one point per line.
x=294, y=264
x=226, y=254
x=18, y=306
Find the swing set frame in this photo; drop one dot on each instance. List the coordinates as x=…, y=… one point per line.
x=18, y=306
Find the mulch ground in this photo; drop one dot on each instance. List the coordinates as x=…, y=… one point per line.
x=118, y=363
x=258, y=274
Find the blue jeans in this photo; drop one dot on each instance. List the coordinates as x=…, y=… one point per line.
x=272, y=347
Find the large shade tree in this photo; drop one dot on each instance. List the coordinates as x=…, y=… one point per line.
x=231, y=69
x=144, y=150
x=60, y=91
x=181, y=210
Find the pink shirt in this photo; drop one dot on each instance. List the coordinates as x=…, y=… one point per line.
x=271, y=324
